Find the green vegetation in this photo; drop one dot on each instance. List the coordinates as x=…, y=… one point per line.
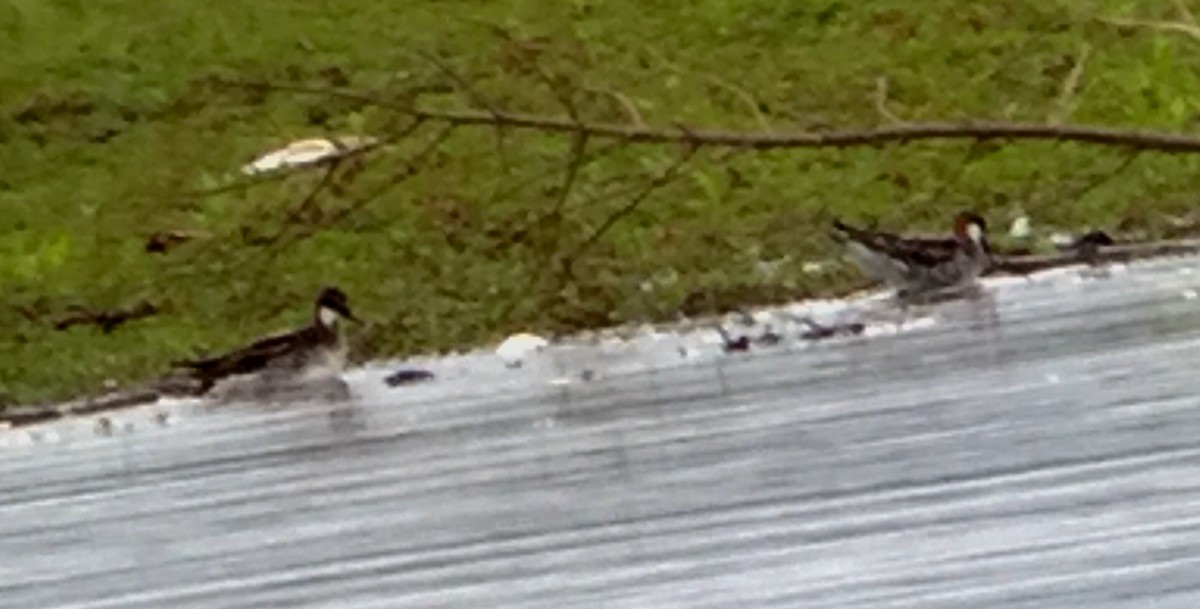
x=114, y=114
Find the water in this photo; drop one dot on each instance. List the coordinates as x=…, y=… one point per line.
x=1035, y=446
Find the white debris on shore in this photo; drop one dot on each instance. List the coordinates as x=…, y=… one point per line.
x=515, y=348
x=1021, y=228
x=307, y=152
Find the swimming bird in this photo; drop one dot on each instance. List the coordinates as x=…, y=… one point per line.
x=920, y=265
x=283, y=356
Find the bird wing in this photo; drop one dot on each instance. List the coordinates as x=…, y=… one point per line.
x=251, y=358
x=921, y=251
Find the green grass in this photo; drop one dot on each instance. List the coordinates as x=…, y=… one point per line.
x=113, y=112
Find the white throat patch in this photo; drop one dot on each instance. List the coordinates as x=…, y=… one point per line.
x=974, y=232
x=328, y=316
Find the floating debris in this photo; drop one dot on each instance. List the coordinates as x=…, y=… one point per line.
x=516, y=347
x=818, y=331
x=407, y=377
x=103, y=427
x=743, y=343
x=309, y=152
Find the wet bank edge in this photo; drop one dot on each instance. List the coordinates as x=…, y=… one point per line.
x=1005, y=265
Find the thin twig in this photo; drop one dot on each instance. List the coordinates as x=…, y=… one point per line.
x=579, y=143
x=881, y=99
x=504, y=195
x=1066, y=97
x=408, y=169
x=310, y=199
x=564, y=97
x=1101, y=177
x=972, y=154
x=326, y=180
x=1189, y=30
x=737, y=91
x=578, y=160
x=1184, y=13
x=476, y=96
x=657, y=181
x=627, y=187
x=479, y=98
x=631, y=111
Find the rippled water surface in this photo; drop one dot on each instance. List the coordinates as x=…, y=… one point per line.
x=1036, y=446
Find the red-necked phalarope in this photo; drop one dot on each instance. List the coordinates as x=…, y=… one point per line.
x=317, y=345
x=920, y=265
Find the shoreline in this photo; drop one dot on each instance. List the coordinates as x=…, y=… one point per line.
x=148, y=393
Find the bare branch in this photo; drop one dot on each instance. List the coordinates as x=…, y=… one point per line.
x=980, y=130
x=909, y=132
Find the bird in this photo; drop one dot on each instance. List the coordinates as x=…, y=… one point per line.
x=916, y=266
x=1087, y=246
x=282, y=356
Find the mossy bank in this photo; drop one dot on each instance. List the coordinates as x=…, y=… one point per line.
x=119, y=128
